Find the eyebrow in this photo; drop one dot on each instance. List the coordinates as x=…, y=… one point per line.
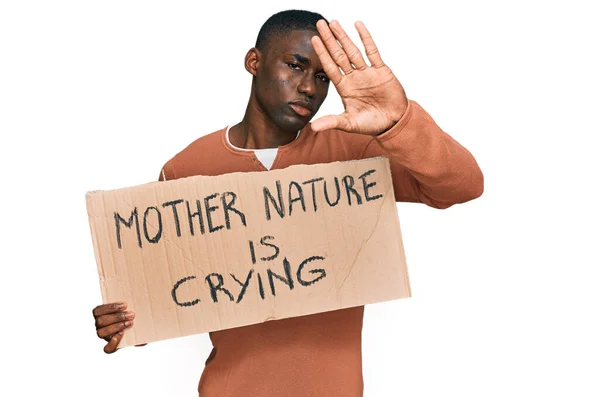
x=302, y=59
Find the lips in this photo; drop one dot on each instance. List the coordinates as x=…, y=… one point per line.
x=302, y=108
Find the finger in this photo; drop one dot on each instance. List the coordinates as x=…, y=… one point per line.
x=108, y=319
x=141, y=344
x=351, y=50
x=113, y=344
x=336, y=52
x=370, y=47
x=329, y=66
x=330, y=122
x=113, y=328
x=109, y=308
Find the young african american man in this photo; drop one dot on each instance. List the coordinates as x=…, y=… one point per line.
x=295, y=59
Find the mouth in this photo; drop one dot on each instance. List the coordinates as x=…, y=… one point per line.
x=301, y=108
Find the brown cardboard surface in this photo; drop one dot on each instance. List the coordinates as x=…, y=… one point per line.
x=264, y=246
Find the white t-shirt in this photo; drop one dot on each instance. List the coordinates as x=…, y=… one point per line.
x=265, y=156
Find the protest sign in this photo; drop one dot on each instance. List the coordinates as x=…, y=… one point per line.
x=204, y=253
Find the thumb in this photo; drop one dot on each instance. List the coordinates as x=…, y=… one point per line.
x=113, y=344
x=329, y=122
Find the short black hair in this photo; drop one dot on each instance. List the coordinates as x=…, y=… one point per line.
x=284, y=22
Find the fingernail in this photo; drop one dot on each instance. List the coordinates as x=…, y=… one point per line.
x=128, y=323
x=129, y=315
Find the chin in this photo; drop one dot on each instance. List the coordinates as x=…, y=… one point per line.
x=291, y=124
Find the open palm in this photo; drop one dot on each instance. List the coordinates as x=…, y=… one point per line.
x=373, y=98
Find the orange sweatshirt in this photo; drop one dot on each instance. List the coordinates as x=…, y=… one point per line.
x=320, y=355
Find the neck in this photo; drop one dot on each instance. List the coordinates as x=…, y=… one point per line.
x=257, y=130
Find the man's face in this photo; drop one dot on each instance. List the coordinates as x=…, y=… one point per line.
x=291, y=72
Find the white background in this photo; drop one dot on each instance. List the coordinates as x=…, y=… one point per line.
x=506, y=288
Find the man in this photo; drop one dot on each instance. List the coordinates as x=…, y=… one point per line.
x=296, y=57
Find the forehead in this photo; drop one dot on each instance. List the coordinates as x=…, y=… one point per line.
x=294, y=42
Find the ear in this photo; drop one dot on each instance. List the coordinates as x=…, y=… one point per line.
x=252, y=60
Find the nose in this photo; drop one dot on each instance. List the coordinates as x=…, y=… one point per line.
x=307, y=85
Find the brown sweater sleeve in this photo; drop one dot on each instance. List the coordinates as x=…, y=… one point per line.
x=427, y=164
x=166, y=173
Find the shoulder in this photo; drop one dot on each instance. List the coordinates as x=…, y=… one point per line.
x=202, y=149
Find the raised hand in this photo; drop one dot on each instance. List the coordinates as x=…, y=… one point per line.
x=373, y=98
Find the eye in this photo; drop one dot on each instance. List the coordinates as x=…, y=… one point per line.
x=323, y=78
x=293, y=66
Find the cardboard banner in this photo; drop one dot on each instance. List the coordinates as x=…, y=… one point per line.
x=202, y=253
